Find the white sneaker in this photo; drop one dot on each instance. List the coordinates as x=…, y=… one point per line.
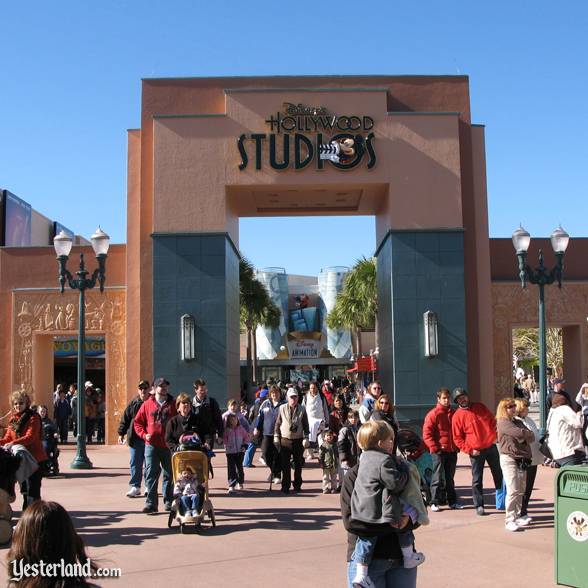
x=457, y=506
x=435, y=508
x=134, y=492
x=512, y=526
x=231, y=490
x=523, y=521
x=240, y=486
x=277, y=481
x=363, y=582
x=416, y=560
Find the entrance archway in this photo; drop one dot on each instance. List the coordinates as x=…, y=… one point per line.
x=214, y=150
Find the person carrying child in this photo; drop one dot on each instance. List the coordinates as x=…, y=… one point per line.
x=386, y=491
x=189, y=490
x=329, y=461
x=235, y=439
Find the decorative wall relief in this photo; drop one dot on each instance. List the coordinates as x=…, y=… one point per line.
x=51, y=313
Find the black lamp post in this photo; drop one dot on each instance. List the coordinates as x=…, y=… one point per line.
x=542, y=277
x=63, y=244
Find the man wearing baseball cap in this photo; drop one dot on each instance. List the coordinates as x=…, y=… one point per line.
x=474, y=432
x=135, y=443
x=290, y=439
x=559, y=387
x=150, y=424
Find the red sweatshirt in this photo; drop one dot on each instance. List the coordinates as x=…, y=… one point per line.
x=473, y=428
x=152, y=419
x=437, y=430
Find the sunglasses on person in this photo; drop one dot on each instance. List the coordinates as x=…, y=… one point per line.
x=509, y=406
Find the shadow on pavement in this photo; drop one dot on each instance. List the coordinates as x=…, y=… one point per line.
x=305, y=519
x=96, y=529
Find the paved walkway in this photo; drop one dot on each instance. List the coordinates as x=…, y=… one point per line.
x=267, y=539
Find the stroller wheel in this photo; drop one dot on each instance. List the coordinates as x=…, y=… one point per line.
x=170, y=519
x=212, y=517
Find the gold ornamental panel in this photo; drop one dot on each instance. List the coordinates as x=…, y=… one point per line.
x=48, y=312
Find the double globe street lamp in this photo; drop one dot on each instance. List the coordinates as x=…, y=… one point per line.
x=63, y=244
x=541, y=276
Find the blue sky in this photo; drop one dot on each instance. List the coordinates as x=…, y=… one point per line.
x=71, y=75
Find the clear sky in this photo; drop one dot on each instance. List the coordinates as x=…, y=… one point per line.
x=70, y=88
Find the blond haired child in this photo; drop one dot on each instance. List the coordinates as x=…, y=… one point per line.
x=387, y=490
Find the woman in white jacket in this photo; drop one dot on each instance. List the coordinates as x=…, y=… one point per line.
x=317, y=411
x=565, y=432
x=536, y=456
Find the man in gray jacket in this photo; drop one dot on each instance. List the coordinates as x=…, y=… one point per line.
x=291, y=438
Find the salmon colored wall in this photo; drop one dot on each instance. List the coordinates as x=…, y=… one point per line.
x=481, y=374
x=138, y=351
x=504, y=263
x=44, y=370
x=418, y=157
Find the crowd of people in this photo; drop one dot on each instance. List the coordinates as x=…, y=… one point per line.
x=65, y=413
x=355, y=441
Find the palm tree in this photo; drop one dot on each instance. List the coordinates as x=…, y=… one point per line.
x=256, y=308
x=357, y=303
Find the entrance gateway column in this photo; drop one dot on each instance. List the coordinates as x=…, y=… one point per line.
x=214, y=150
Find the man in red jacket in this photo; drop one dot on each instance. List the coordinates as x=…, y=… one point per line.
x=150, y=424
x=474, y=432
x=438, y=438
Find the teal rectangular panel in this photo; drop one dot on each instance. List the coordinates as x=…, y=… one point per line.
x=196, y=274
x=420, y=271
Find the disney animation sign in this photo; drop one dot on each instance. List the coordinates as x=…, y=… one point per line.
x=303, y=135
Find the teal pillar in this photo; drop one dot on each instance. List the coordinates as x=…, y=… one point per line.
x=419, y=271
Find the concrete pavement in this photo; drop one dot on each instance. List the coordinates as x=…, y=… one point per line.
x=268, y=539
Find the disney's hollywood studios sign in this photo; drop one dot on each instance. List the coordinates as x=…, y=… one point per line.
x=301, y=135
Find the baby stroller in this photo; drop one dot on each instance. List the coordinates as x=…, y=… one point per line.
x=413, y=449
x=199, y=462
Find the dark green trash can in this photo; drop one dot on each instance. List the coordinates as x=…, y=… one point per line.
x=571, y=526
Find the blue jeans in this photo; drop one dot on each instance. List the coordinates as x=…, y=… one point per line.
x=157, y=459
x=189, y=502
x=490, y=455
x=364, y=546
x=386, y=573
x=248, y=460
x=137, y=459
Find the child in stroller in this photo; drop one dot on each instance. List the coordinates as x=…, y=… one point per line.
x=190, y=492
x=413, y=448
x=50, y=437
